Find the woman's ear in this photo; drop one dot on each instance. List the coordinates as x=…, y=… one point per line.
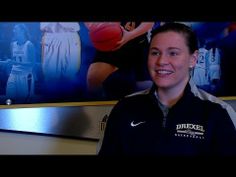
x=193, y=59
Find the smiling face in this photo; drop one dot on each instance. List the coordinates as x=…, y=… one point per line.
x=169, y=60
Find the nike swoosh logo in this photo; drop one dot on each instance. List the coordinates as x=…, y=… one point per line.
x=136, y=124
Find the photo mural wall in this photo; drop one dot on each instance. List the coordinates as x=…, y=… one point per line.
x=48, y=62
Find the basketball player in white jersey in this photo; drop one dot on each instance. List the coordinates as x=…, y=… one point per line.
x=20, y=84
x=200, y=73
x=207, y=70
x=61, y=50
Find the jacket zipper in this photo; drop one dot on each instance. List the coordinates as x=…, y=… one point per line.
x=164, y=121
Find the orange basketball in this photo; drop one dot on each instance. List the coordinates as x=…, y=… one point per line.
x=105, y=36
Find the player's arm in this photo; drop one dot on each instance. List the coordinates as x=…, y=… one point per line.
x=11, y=59
x=140, y=30
x=129, y=35
x=31, y=53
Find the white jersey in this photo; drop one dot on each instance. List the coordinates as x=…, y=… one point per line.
x=207, y=68
x=61, y=50
x=200, y=75
x=20, y=53
x=20, y=84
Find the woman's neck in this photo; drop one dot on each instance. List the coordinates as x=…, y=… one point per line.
x=170, y=96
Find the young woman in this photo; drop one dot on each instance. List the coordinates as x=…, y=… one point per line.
x=174, y=117
x=21, y=82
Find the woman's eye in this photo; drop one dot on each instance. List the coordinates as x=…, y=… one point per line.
x=155, y=53
x=173, y=53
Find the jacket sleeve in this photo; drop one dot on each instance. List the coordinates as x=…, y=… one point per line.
x=111, y=142
x=225, y=139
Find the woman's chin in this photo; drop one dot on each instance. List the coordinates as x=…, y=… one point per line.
x=163, y=85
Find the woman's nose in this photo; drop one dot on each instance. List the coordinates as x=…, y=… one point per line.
x=162, y=59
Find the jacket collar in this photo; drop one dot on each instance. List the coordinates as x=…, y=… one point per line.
x=186, y=98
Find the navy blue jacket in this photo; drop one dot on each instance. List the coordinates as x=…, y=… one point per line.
x=198, y=124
